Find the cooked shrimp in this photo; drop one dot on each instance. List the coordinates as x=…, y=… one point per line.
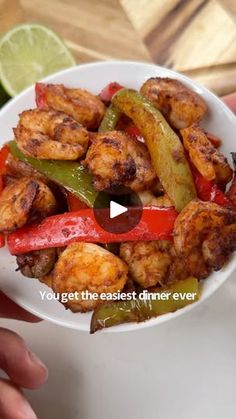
x=205, y=235
x=83, y=106
x=23, y=200
x=149, y=199
x=213, y=245
x=148, y=262
x=19, y=169
x=44, y=203
x=47, y=134
x=114, y=158
x=153, y=263
x=87, y=266
x=208, y=160
x=47, y=279
x=179, y=104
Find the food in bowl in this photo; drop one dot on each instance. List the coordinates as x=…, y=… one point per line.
x=75, y=145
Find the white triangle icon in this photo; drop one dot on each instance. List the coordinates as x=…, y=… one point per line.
x=116, y=209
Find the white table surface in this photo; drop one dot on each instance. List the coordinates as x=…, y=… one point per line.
x=183, y=369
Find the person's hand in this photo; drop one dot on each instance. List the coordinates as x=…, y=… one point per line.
x=230, y=100
x=23, y=367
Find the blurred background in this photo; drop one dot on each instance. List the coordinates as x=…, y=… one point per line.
x=195, y=37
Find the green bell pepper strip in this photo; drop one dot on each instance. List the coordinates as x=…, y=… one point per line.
x=164, y=145
x=138, y=310
x=69, y=174
x=110, y=119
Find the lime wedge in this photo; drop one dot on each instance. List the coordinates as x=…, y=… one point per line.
x=29, y=52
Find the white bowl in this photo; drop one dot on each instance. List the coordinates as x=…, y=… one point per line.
x=220, y=121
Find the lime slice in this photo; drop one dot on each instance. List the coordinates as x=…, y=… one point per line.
x=28, y=53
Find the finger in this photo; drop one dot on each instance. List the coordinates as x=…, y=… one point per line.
x=10, y=310
x=13, y=404
x=230, y=100
x=22, y=366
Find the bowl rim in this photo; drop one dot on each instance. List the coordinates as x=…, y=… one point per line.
x=112, y=63
x=231, y=265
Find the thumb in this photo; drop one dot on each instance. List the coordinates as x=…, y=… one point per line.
x=230, y=100
x=9, y=309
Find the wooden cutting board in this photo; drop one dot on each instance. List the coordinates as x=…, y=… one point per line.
x=196, y=37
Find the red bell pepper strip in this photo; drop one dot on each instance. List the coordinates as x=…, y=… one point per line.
x=41, y=95
x=63, y=229
x=109, y=90
x=2, y=240
x=219, y=197
x=4, y=151
x=1, y=183
x=207, y=190
x=74, y=203
x=213, y=139
x=134, y=132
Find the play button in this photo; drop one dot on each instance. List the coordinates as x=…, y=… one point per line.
x=123, y=210
x=116, y=209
